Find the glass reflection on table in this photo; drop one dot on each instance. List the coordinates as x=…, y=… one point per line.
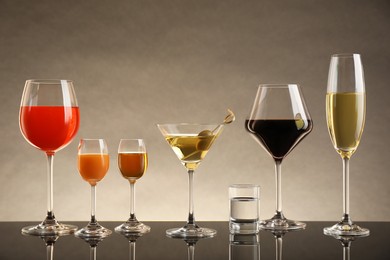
x=244, y=246
x=93, y=243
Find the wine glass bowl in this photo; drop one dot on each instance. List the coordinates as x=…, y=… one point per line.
x=190, y=143
x=132, y=163
x=279, y=120
x=49, y=120
x=345, y=114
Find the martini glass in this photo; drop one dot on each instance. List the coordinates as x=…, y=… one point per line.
x=190, y=142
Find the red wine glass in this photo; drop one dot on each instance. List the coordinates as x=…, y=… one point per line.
x=279, y=120
x=49, y=119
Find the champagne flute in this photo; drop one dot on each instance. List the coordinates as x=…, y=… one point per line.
x=132, y=162
x=49, y=119
x=345, y=113
x=93, y=164
x=278, y=122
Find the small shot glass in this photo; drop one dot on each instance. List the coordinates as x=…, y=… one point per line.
x=244, y=208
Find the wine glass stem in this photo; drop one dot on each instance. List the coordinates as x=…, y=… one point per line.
x=92, y=253
x=346, y=189
x=93, y=204
x=278, y=171
x=50, y=158
x=132, y=250
x=49, y=251
x=346, y=252
x=279, y=248
x=191, y=251
x=191, y=218
x=132, y=201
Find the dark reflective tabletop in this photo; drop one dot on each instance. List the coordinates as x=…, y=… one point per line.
x=306, y=244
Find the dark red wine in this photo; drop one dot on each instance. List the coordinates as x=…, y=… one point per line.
x=279, y=136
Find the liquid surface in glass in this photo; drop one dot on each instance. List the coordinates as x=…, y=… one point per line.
x=132, y=165
x=49, y=128
x=345, y=118
x=279, y=136
x=190, y=149
x=93, y=167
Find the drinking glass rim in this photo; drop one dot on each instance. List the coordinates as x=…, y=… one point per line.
x=278, y=85
x=344, y=55
x=189, y=124
x=48, y=81
x=244, y=185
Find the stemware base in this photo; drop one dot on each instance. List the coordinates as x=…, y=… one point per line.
x=346, y=229
x=280, y=223
x=132, y=227
x=49, y=227
x=191, y=231
x=93, y=231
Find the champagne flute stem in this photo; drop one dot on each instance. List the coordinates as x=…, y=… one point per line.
x=93, y=204
x=191, y=218
x=50, y=158
x=346, y=189
x=132, y=200
x=278, y=171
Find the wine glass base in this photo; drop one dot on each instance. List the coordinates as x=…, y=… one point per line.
x=132, y=227
x=276, y=224
x=191, y=231
x=346, y=229
x=93, y=231
x=53, y=229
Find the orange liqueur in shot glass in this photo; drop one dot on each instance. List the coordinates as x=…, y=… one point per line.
x=132, y=163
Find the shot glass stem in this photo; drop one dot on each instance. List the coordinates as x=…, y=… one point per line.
x=93, y=205
x=132, y=200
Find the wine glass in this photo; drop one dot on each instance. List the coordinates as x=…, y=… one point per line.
x=279, y=120
x=190, y=142
x=345, y=113
x=93, y=164
x=49, y=119
x=132, y=162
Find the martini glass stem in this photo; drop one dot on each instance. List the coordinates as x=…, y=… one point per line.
x=346, y=217
x=191, y=218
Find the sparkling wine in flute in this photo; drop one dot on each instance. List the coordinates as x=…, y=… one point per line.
x=345, y=114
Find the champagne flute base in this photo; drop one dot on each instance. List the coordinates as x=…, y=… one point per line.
x=281, y=224
x=51, y=229
x=191, y=231
x=132, y=227
x=93, y=231
x=346, y=229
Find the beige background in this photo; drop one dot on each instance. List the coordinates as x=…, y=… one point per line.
x=138, y=63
